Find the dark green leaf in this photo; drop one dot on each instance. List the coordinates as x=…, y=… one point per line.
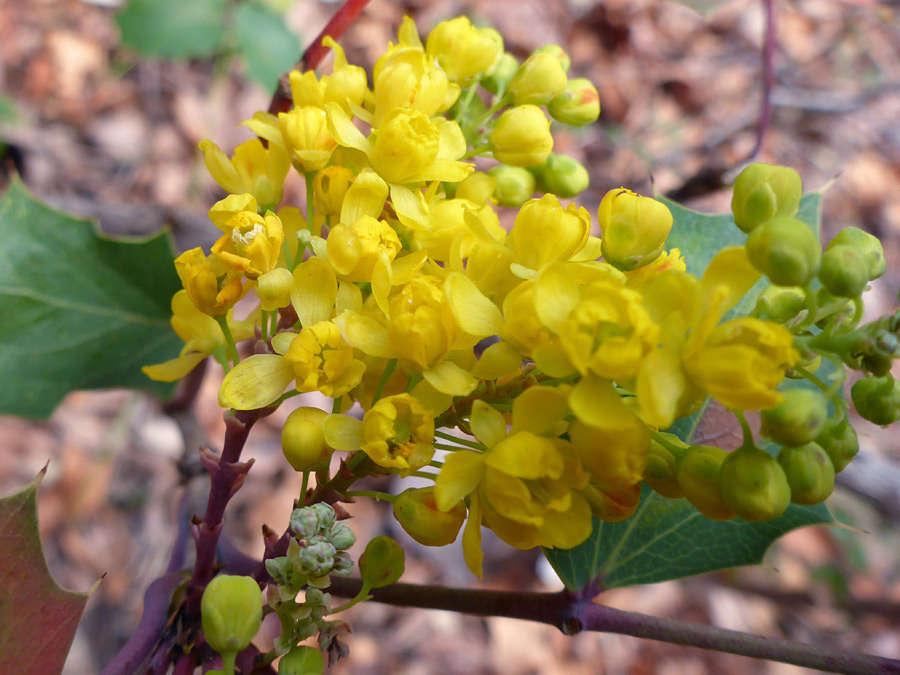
x=173, y=28
x=266, y=42
x=80, y=311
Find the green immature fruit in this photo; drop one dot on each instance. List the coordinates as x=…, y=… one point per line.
x=844, y=271
x=763, y=192
x=231, y=612
x=303, y=440
x=562, y=176
x=417, y=512
x=877, y=399
x=809, y=473
x=798, y=419
x=754, y=485
x=785, y=250
x=840, y=442
x=382, y=563
x=514, y=185
x=866, y=244
x=577, y=105
x=660, y=472
x=780, y=303
x=698, y=477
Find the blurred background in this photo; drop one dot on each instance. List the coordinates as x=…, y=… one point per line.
x=102, y=104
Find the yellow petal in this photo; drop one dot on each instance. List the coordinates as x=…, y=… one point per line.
x=449, y=378
x=660, y=387
x=348, y=297
x=591, y=250
x=220, y=167
x=555, y=295
x=569, y=528
x=265, y=125
x=381, y=281
x=255, y=382
x=410, y=207
x=447, y=170
x=552, y=360
x=405, y=267
x=732, y=269
x=365, y=197
x=460, y=475
x=471, y=540
x=595, y=402
x=344, y=131
x=282, y=342
x=314, y=291
x=487, y=424
x=174, y=369
x=474, y=313
x=453, y=142
x=365, y=334
x=343, y=432
x=498, y=360
x=541, y=410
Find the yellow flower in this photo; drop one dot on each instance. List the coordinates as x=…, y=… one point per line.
x=210, y=284
x=347, y=85
x=202, y=335
x=306, y=137
x=251, y=243
x=322, y=361
x=354, y=250
x=253, y=169
x=463, y=50
x=545, y=232
x=522, y=328
x=538, y=80
x=329, y=187
x=398, y=433
x=522, y=136
x=422, y=328
x=634, y=228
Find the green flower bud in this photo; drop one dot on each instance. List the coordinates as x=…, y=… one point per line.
x=522, y=137
x=754, y=485
x=325, y=514
x=317, y=558
x=514, y=186
x=417, y=512
x=538, y=80
x=785, y=250
x=303, y=440
x=780, y=303
x=343, y=564
x=562, y=176
x=809, y=473
x=697, y=473
x=305, y=522
x=844, y=271
x=660, y=472
x=865, y=243
x=280, y=569
x=231, y=612
x=763, y=192
x=341, y=537
x=838, y=439
x=577, y=105
x=558, y=53
x=798, y=419
x=877, y=399
x=382, y=563
x=499, y=75
x=302, y=661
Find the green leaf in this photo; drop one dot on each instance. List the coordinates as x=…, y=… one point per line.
x=173, y=29
x=669, y=539
x=266, y=42
x=80, y=311
x=38, y=618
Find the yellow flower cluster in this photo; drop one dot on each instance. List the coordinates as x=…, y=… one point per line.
x=399, y=291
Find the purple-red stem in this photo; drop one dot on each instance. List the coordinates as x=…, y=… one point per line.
x=315, y=52
x=768, y=77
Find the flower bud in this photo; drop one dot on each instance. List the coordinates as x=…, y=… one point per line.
x=382, y=563
x=545, y=232
x=538, y=80
x=499, y=75
x=839, y=441
x=463, y=50
x=697, y=473
x=341, y=537
x=303, y=441
x=660, y=472
x=417, y=512
x=325, y=514
x=305, y=133
x=343, y=564
x=562, y=176
x=406, y=145
x=612, y=504
x=798, y=419
x=785, y=250
x=302, y=661
x=809, y=473
x=844, y=271
x=522, y=137
x=763, y=192
x=577, y=105
x=877, y=399
x=515, y=185
x=780, y=303
x=329, y=187
x=557, y=52
x=231, y=612
x=305, y=522
x=754, y=485
x=633, y=228
x=866, y=244
x=317, y=558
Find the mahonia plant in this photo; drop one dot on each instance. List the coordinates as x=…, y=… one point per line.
x=531, y=374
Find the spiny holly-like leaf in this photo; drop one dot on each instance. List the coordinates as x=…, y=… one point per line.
x=38, y=618
x=80, y=311
x=174, y=28
x=669, y=539
x=266, y=42
x=666, y=538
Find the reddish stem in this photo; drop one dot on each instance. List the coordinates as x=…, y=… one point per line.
x=315, y=52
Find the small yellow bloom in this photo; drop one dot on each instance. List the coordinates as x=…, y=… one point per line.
x=634, y=228
x=422, y=328
x=545, y=232
x=405, y=147
x=354, y=250
x=329, y=187
x=322, y=361
x=463, y=50
x=253, y=169
x=347, y=85
x=210, y=284
x=306, y=137
x=399, y=433
x=522, y=136
x=251, y=243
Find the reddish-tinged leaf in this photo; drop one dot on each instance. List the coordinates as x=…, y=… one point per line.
x=38, y=617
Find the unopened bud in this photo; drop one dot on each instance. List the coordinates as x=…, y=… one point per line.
x=514, y=186
x=612, y=504
x=786, y=250
x=341, y=537
x=562, y=175
x=877, y=399
x=763, y=192
x=558, y=53
x=798, y=419
x=538, y=80
x=660, y=472
x=499, y=75
x=838, y=439
x=303, y=440
x=809, y=473
x=866, y=244
x=231, y=612
x=577, y=105
x=417, y=512
x=698, y=477
x=754, y=485
x=780, y=303
x=522, y=136
x=633, y=228
x=844, y=271
x=317, y=558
